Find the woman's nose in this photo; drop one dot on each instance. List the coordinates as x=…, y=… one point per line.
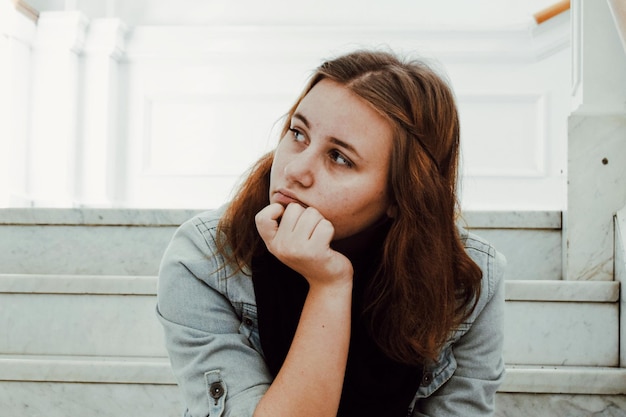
x=301, y=169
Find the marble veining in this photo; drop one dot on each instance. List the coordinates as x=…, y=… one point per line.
x=565, y=380
x=550, y=405
x=558, y=333
x=596, y=190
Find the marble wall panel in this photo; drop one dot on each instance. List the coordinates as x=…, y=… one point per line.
x=532, y=254
x=596, y=191
x=99, y=250
x=561, y=333
x=92, y=325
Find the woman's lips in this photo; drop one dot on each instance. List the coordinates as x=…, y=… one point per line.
x=285, y=198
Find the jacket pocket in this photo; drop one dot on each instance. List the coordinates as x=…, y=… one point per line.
x=216, y=392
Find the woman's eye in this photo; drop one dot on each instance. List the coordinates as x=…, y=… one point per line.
x=338, y=158
x=297, y=135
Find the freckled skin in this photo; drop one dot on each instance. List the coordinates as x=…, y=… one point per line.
x=347, y=185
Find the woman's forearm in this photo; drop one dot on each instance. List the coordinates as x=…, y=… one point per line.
x=311, y=378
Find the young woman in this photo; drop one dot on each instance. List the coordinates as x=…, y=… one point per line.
x=336, y=282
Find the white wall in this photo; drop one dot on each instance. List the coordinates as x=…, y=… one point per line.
x=163, y=104
x=309, y=12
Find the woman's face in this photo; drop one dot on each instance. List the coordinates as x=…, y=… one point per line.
x=335, y=158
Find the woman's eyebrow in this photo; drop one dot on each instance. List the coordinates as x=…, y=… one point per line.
x=332, y=139
x=346, y=146
x=302, y=119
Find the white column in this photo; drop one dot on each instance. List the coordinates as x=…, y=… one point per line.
x=596, y=142
x=599, y=61
x=17, y=33
x=97, y=153
x=52, y=146
x=6, y=128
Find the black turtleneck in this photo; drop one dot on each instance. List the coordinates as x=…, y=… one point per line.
x=374, y=385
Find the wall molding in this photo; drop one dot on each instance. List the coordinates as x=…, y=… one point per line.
x=521, y=43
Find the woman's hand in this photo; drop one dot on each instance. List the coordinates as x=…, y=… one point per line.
x=310, y=381
x=300, y=238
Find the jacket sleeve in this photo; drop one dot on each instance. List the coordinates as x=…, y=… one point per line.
x=218, y=370
x=471, y=390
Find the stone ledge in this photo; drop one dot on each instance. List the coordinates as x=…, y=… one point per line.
x=94, y=216
x=484, y=219
x=481, y=219
x=565, y=380
x=86, y=369
x=78, y=284
x=516, y=290
x=559, y=290
x=156, y=371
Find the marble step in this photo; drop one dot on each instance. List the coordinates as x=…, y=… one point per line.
x=93, y=347
x=156, y=371
x=110, y=387
x=131, y=242
x=548, y=323
x=86, y=241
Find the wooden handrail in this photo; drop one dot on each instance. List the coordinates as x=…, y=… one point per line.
x=551, y=11
x=26, y=9
x=618, y=10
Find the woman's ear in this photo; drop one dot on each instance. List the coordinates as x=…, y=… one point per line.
x=392, y=211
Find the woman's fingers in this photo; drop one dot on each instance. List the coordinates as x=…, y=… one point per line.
x=287, y=231
x=301, y=222
x=300, y=238
x=267, y=221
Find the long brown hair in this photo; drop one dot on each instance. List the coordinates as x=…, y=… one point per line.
x=426, y=285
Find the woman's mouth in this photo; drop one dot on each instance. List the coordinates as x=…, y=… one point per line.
x=285, y=198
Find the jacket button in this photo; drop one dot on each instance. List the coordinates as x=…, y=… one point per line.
x=248, y=321
x=216, y=390
x=427, y=379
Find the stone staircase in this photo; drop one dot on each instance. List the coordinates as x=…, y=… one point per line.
x=80, y=337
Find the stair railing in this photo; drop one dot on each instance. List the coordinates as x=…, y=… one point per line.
x=618, y=10
x=26, y=9
x=551, y=11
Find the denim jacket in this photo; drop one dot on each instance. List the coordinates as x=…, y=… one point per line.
x=209, y=316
